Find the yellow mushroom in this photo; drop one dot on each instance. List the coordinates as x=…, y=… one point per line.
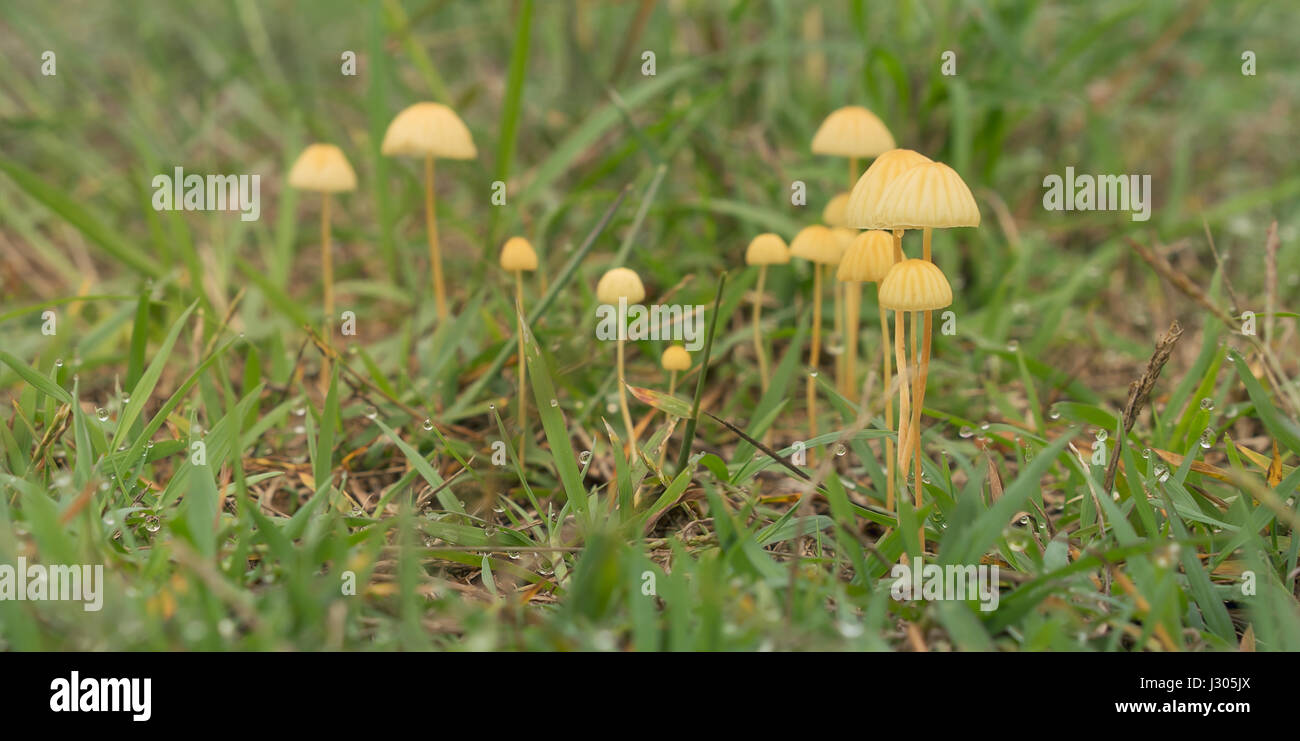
x=853, y=132
x=819, y=245
x=430, y=130
x=616, y=284
x=765, y=249
x=517, y=256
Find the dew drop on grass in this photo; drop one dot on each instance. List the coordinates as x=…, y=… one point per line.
x=1162, y=473
x=1207, y=438
x=152, y=524
x=813, y=374
x=985, y=426
x=371, y=412
x=1053, y=413
x=428, y=425
x=300, y=411
x=925, y=478
x=840, y=449
x=555, y=403
x=499, y=509
x=966, y=432
x=148, y=445
x=1013, y=346
x=102, y=414
x=1207, y=404
x=1146, y=453
x=58, y=363
x=611, y=407
x=1102, y=434
x=1114, y=494
x=584, y=457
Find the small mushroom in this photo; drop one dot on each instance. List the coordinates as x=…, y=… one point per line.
x=615, y=284
x=517, y=255
x=674, y=360
x=853, y=132
x=430, y=130
x=765, y=249
x=324, y=169
x=929, y=196
x=820, y=245
x=911, y=286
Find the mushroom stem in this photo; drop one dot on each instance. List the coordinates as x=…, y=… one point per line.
x=852, y=310
x=853, y=172
x=758, y=334
x=523, y=365
x=922, y=375
x=327, y=276
x=914, y=427
x=837, y=290
x=814, y=355
x=900, y=360
x=622, y=400
x=889, y=408
x=435, y=250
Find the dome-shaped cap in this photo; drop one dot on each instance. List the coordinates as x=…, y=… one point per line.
x=767, y=249
x=518, y=254
x=868, y=259
x=852, y=131
x=864, y=200
x=323, y=168
x=428, y=129
x=915, y=285
x=819, y=244
x=620, y=283
x=675, y=358
x=930, y=195
x=833, y=214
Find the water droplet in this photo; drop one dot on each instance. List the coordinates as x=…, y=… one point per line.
x=1013, y=346
x=1053, y=413
x=1102, y=434
x=513, y=555
x=58, y=363
x=1115, y=494
x=966, y=432
x=499, y=509
x=1162, y=473
x=126, y=399
x=148, y=445
x=925, y=478
x=371, y=412
x=428, y=425
x=152, y=524
x=985, y=426
x=300, y=411
x=555, y=403
x=611, y=407
x=489, y=531
x=1207, y=404
x=840, y=449
x=1146, y=453
x=102, y=413
x=813, y=374
x=1207, y=438
x=110, y=520
x=1024, y=520
x=584, y=457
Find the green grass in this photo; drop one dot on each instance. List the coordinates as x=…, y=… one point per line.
x=177, y=328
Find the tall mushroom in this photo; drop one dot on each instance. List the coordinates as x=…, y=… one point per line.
x=911, y=286
x=928, y=196
x=819, y=245
x=517, y=255
x=853, y=132
x=868, y=260
x=324, y=169
x=624, y=284
x=430, y=130
x=765, y=249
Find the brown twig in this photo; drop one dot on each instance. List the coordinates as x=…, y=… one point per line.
x=1139, y=391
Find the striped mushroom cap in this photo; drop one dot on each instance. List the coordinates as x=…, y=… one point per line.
x=868, y=259
x=322, y=168
x=428, y=129
x=915, y=285
x=833, y=214
x=767, y=249
x=852, y=131
x=864, y=200
x=819, y=244
x=930, y=195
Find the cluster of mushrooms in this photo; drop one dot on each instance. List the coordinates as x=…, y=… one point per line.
x=901, y=190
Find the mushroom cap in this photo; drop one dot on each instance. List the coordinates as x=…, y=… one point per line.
x=428, y=129
x=930, y=195
x=868, y=259
x=915, y=285
x=518, y=254
x=675, y=358
x=322, y=168
x=864, y=200
x=620, y=283
x=833, y=214
x=767, y=249
x=819, y=244
x=852, y=131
